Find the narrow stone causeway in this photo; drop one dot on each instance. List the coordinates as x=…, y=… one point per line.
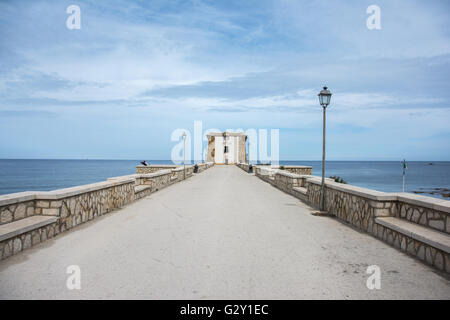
x=220, y=234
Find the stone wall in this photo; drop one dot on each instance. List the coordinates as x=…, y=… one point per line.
x=85, y=205
x=153, y=168
x=357, y=206
x=204, y=165
x=76, y=205
x=363, y=208
x=427, y=253
x=70, y=207
x=265, y=174
x=286, y=181
x=244, y=166
x=299, y=169
x=27, y=240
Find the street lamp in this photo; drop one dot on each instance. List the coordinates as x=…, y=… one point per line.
x=184, y=155
x=324, y=99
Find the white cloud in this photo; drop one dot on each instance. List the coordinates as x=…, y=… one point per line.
x=160, y=64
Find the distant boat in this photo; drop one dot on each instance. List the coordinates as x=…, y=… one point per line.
x=430, y=163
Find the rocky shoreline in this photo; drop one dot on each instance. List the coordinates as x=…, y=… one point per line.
x=443, y=192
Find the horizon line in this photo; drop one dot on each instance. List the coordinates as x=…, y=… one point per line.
x=319, y=160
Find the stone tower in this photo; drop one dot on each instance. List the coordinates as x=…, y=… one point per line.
x=226, y=147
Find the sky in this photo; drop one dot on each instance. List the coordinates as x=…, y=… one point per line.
x=137, y=70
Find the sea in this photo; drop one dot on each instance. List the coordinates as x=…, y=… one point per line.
x=422, y=177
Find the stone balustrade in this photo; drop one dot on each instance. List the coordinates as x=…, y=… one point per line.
x=204, y=165
x=69, y=207
x=295, y=169
x=244, y=166
x=415, y=224
x=154, y=167
x=158, y=167
x=301, y=170
x=265, y=173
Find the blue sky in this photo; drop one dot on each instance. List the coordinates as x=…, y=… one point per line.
x=137, y=70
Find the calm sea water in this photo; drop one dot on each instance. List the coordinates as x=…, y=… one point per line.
x=44, y=175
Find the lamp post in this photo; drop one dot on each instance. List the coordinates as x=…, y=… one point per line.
x=184, y=156
x=324, y=99
x=404, y=166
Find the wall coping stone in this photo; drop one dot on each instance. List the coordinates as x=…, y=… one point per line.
x=318, y=180
x=171, y=166
x=302, y=190
x=287, y=174
x=60, y=193
x=156, y=174
x=158, y=166
x=73, y=191
x=292, y=167
x=142, y=187
x=130, y=176
x=265, y=172
x=146, y=175
x=17, y=197
x=306, y=176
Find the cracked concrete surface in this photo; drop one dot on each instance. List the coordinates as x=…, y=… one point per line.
x=221, y=234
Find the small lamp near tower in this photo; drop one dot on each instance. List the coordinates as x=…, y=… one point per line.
x=184, y=155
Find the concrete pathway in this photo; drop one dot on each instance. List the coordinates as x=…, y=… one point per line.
x=219, y=235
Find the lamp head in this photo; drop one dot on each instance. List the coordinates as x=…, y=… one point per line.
x=324, y=97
